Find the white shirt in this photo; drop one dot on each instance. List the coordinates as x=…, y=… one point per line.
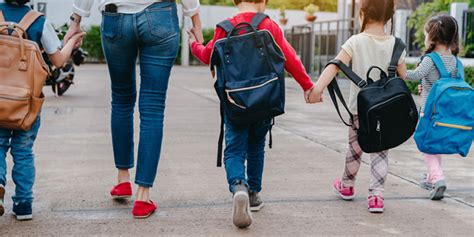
x=49, y=39
x=368, y=50
x=83, y=7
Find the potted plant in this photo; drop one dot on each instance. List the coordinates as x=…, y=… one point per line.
x=311, y=10
x=283, y=19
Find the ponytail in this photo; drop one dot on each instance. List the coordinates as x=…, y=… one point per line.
x=443, y=29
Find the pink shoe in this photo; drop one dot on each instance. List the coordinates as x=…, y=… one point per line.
x=375, y=204
x=346, y=193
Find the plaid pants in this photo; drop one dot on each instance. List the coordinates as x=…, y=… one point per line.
x=379, y=163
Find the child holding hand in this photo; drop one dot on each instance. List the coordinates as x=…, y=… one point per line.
x=372, y=47
x=20, y=143
x=245, y=145
x=441, y=38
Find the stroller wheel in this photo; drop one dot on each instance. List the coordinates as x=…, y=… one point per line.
x=62, y=87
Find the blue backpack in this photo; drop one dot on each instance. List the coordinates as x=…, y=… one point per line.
x=250, y=75
x=448, y=121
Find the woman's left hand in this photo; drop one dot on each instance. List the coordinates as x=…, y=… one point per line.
x=192, y=37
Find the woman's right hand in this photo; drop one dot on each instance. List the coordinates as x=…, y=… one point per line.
x=74, y=29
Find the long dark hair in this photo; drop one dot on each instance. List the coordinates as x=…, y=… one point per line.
x=377, y=11
x=17, y=2
x=443, y=29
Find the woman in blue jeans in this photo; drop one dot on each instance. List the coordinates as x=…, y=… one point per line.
x=146, y=30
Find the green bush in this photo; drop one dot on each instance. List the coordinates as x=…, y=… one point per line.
x=469, y=51
x=424, y=12
x=470, y=75
x=413, y=85
x=93, y=44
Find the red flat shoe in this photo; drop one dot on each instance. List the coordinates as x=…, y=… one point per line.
x=142, y=210
x=122, y=190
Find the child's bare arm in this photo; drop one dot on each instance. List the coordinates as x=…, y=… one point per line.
x=59, y=58
x=402, y=70
x=326, y=77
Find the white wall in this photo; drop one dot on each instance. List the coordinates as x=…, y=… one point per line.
x=58, y=11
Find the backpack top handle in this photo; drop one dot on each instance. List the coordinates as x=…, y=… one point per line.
x=227, y=47
x=383, y=75
x=20, y=32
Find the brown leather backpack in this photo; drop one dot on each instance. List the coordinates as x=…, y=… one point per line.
x=23, y=72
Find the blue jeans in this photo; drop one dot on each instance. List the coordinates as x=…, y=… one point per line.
x=152, y=36
x=245, y=144
x=20, y=144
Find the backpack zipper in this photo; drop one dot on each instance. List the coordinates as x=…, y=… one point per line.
x=379, y=104
x=251, y=87
x=232, y=101
x=448, y=125
x=378, y=87
x=379, y=131
x=13, y=98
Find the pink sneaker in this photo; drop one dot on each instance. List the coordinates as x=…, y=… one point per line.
x=345, y=193
x=375, y=204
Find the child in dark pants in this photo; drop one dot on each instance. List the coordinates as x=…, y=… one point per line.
x=246, y=144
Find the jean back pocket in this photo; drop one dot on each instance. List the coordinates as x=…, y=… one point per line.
x=112, y=26
x=162, y=20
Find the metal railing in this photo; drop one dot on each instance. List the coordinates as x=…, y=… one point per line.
x=468, y=27
x=319, y=42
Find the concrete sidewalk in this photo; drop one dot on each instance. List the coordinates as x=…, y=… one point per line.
x=75, y=172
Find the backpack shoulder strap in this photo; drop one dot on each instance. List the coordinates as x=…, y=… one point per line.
x=398, y=50
x=460, y=69
x=220, y=143
x=335, y=93
x=258, y=18
x=439, y=65
x=2, y=18
x=29, y=19
x=348, y=72
x=226, y=25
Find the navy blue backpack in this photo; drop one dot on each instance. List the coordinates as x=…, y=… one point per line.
x=250, y=75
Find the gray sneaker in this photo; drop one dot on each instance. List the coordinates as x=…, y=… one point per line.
x=438, y=190
x=256, y=203
x=241, y=215
x=2, y=195
x=425, y=184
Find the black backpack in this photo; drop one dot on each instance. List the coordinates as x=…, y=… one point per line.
x=387, y=113
x=250, y=75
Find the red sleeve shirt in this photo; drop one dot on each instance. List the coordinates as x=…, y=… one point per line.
x=293, y=64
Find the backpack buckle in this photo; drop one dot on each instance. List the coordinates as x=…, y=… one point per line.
x=362, y=84
x=11, y=26
x=392, y=69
